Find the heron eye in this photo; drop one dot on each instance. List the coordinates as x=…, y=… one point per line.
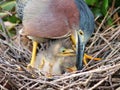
x=81, y=32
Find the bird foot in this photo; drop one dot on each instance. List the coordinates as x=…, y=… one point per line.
x=86, y=57
x=72, y=69
x=30, y=66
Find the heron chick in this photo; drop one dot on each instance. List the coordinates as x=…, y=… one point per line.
x=57, y=58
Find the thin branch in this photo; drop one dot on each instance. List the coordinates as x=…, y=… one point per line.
x=99, y=83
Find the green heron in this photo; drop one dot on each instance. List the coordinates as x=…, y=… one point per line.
x=45, y=20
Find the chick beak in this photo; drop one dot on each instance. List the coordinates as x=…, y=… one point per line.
x=67, y=52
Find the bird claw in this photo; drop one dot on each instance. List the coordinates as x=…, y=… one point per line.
x=86, y=57
x=30, y=67
x=71, y=69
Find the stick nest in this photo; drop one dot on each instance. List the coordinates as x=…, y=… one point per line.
x=105, y=74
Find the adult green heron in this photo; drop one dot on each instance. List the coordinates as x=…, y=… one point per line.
x=44, y=20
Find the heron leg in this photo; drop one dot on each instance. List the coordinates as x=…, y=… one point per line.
x=86, y=57
x=42, y=63
x=49, y=74
x=34, y=51
x=72, y=69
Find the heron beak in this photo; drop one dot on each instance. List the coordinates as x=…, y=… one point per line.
x=80, y=45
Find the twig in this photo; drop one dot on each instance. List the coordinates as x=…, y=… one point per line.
x=103, y=61
x=109, y=44
x=3, y=87
x=100, y=82
x=78, y=83
x=117, y=32
x=113, y=12
x=5, y=31
x=34, y=85
x=103, y=21
x=113, y=4
x=24, y=86
x=117, y=66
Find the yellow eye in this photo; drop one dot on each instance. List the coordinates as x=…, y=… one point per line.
x=81, y=32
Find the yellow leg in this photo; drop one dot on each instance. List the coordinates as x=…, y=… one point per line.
x=34, y=51
x=42, y=63
x=89, y=57
x=85, y=55
x=49, y=74
x=72, y=69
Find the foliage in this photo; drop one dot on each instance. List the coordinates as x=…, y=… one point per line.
x=8, y=15
x=100, y=6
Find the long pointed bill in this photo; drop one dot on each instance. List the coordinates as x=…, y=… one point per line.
x=80, y=50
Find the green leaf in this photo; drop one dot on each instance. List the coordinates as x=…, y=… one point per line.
x=110, y=21
x=12, y=19
x=97, y=12
x=91, y=2
x=105, y=7
x=8, y=6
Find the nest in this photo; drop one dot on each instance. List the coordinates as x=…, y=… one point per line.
x=103, y=74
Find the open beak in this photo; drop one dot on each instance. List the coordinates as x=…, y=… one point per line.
x=80, y=45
